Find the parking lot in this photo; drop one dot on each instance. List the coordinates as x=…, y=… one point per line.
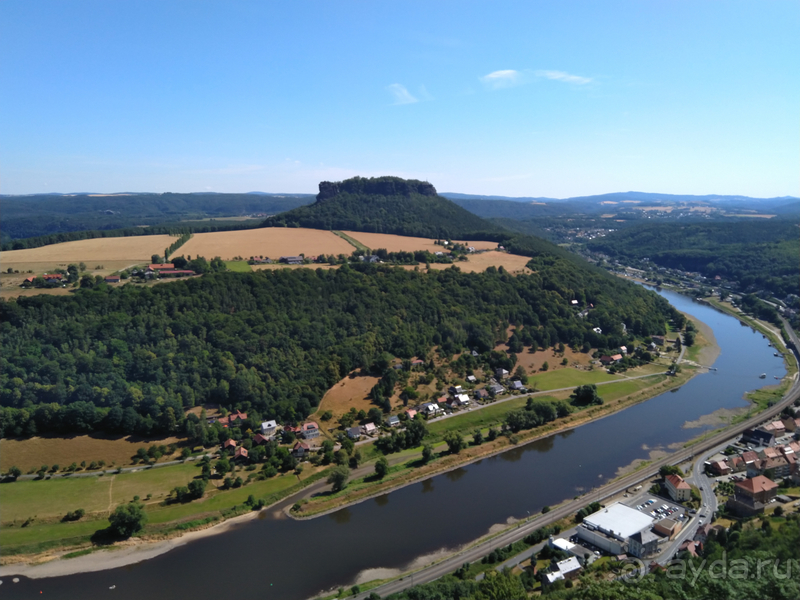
x=656, y=506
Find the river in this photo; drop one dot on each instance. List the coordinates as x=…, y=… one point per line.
x=283, y=559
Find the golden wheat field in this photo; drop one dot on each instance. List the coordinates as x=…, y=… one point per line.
x=396, y=243
x=272, y=242
x=132, y=250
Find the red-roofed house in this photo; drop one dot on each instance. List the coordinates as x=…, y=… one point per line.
x=616, y=357
x=112, y=279
x=411, y=413
x=606, y=360
x=776, y=426
x=229, y=443
x=260, y=439
x=240, y=452
x=678, y=489
x=160, y=267
x=233, y=418
x=737, y=464
x=749, y=457
x=752, y=495
x=300, y=450
x=693, y=548
x=720, y=467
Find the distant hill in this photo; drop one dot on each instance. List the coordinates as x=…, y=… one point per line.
x=45, y=214
x=385, y=205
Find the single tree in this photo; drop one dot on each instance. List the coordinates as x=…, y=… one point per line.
x=427, y=453
x=338, y=478
x=477, y=437
x=127, y=519
x=454, y=441
x=382, y=467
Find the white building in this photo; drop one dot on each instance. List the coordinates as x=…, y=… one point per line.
x=610, y=527
x=268, y=428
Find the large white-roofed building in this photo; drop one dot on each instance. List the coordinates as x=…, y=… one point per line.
x=610, y=527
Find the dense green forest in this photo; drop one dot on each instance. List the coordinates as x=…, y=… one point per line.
x=385, y=205
x=758, y=253
x=271, y=343
x=738, y=563
x=41, y=215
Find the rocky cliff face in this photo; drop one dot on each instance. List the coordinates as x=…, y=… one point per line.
x=384, y=186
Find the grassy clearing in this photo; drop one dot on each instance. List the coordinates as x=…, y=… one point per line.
x=563, y=378
x=613, y=391
x=41, y=537
x=238, y=266
x=53, y=498
x=469, y=421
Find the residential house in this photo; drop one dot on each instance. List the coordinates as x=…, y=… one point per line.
x=643, y=543
x=229, y=443
x=442, y=400
x=694, y=548
x=597, y=330
x=354, y=433
x=779, y=467
x=300, y=450
x=241, y=452
x=737, y=464
x=417, y=363
x=616, y=357
x=657, y=339
x=310, y=430
x=749, y=458
x=472, y=379
x=606, y=360
x=790, y=424
x=259, y=439
x=573, y=302
x=704, y=531
x=623, y=349
x=719, y=467
x=481, y=394
x=518, y=387
x=678, y=489
x=500, y=373
x=776, y=427
x=411, y=413
x=369, y=429
x=393, y=421
x=496, y=389
x=268, y=428
x=233, y=419
x=112, y=279
x=456, y=389
x=430, y=409
x=291, y=260
x=751, y=496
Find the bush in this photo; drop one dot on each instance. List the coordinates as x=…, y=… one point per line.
x=127, y=519
x=74, y=515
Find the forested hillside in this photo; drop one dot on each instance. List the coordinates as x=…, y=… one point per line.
x=44, y=214
x=385, y=205
x=131, y=359
x=758, y=253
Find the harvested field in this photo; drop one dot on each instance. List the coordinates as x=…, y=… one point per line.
x=396, y=243
x=352, y=391
x=272, y=242
x=480, y=262
x=38, y=451
x=130, y=250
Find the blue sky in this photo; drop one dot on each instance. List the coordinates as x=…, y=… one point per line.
x=511, y=98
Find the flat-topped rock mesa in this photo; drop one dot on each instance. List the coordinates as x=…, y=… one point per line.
x=382, y=186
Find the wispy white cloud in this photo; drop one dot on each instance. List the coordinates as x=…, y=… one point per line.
x=502, y=79
x=401, y=94
x=564, y=77
x=424, y=94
